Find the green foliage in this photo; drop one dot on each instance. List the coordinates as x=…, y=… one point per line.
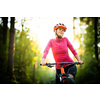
x=45, y=75
x=27, y=58
x=89, y=72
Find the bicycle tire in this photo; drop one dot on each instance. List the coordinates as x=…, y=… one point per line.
x=69, y=81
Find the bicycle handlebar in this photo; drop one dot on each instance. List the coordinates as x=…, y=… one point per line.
x=61, y=63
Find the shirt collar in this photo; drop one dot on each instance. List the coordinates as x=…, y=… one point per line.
x=58, y=40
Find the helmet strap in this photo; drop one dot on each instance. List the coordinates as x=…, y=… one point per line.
x=57, y=35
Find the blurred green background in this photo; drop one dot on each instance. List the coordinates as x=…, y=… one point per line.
x=20, y=56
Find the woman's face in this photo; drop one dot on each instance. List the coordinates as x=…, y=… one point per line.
x=60, y=32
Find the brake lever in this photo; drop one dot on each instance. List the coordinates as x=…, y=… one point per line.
x=45, y=64
x=49, y=65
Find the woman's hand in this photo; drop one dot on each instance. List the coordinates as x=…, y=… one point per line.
x=80, y=61
x=43, y=62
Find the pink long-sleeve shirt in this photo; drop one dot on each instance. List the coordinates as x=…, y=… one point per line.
x=60, y=50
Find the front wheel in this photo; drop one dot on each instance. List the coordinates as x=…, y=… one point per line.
x=69, y=81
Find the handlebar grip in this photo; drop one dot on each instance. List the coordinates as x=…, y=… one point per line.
x=47, y=64
x=40, y=64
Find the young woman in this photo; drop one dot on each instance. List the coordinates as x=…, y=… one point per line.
x=59, y=47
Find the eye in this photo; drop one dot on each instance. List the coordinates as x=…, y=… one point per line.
x=63, y=29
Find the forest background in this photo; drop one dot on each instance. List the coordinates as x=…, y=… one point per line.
x=20, y=52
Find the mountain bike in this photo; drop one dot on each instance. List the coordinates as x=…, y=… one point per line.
x=64, y=78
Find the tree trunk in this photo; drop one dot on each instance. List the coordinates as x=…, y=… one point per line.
x=96, y=35
x=5, y=22
x=34, y=73
x=11, y=48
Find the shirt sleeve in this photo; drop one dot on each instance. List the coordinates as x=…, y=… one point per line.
x=46, y=50
x=71, y=47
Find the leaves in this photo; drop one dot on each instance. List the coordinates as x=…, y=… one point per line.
x=90, y=70
x=27, y=58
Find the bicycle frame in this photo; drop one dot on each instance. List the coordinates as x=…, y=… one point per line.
x=63, y=76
